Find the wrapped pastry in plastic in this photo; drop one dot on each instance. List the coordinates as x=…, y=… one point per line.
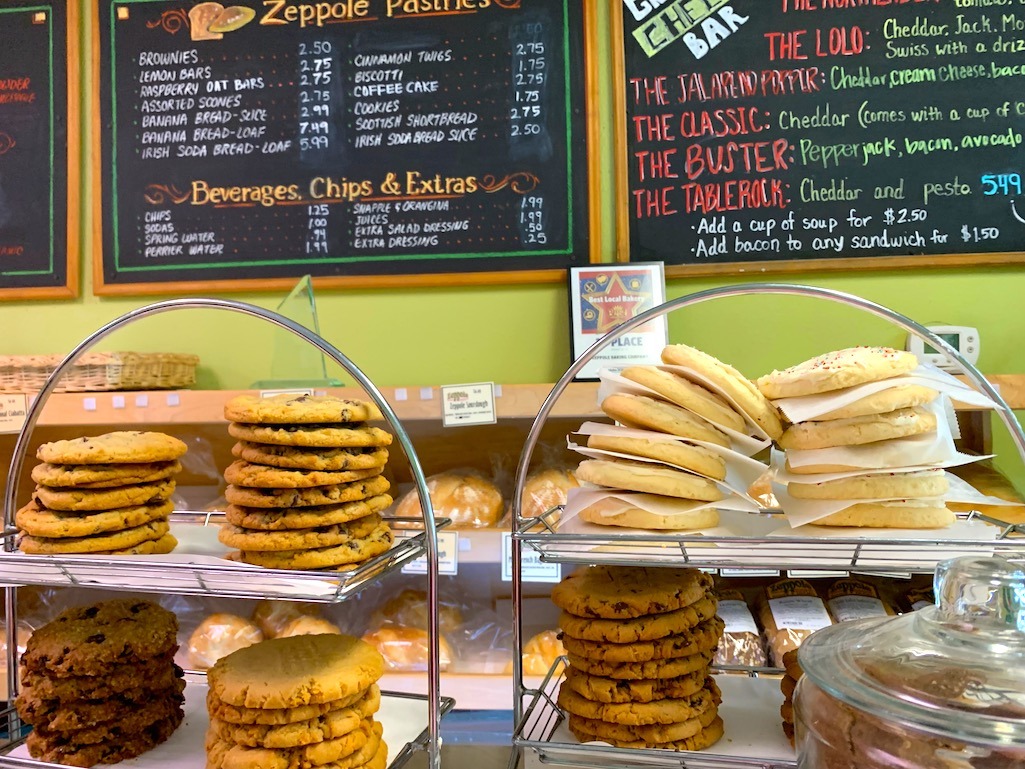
x=790, y=610
x=405, y=648
x=271, y=616
x=218, y=636
x=741, y=644
x=465, y=496
x=544, y=490
x=308, y=625
x=410, y=608
x=540, y=653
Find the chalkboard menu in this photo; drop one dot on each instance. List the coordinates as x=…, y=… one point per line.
x=38, y=259
x=787, y=134
x=360, y=141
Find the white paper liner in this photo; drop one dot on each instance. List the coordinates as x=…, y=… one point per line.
x=750, y=713
x=586, y=495
x=799, y=512
x=197, y=545
x=805, y=407
x=613, y=383
x=926, y=449
x=782, y=475
x=741, y=471
x=403, y=721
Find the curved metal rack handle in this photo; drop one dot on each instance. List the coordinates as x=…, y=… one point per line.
x=431, y=538
x=973, y=374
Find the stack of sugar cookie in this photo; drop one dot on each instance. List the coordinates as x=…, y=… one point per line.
x=640, y=642
x=105, y=495
x=912, y=499
x=304, y=701
x=99, y=683
x=306, y=491
x=685, y=473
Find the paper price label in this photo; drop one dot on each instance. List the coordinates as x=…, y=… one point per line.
x=448, y=556
x=532, y=569
x=469, y=404
x=12, y=412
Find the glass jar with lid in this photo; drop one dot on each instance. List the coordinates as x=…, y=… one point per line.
x=940, y=688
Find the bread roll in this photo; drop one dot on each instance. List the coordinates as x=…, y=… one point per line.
x=410, y=608
x=218, y=636
x=271, y=616
x=469, y=499
x=308, y=625
x=405, y=648
x=544, y=490
x=540, y=653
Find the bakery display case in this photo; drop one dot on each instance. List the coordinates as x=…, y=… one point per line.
x=200, y=565
x=746, y=542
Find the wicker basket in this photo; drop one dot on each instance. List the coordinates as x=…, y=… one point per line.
x=99, y=371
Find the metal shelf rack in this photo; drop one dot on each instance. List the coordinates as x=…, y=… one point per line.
x=536, y=716
x=225, y=578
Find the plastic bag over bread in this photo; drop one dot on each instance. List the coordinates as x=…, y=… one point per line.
x=544, y=490
x=466, y=497
x=790, y=611
x=741, y=643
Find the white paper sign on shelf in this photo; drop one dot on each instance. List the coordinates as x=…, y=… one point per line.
x=468, y=404
x=448, y=556
x=532, y=569
x=12, y=412
x=287, y=391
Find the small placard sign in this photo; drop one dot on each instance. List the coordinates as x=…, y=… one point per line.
x=448, y=556
x=468, y=404
x=12, y=412
x=532, y=568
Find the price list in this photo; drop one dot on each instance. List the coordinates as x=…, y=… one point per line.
x=35, y=258
x=813, y=130
x=387, y=143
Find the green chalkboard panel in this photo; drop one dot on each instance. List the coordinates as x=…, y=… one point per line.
x=790, y=134
x=38, y=257
x=363, y=142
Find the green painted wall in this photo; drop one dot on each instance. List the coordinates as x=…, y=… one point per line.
x=519, y=334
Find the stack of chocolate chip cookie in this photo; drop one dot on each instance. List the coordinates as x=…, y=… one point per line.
x=681, y=473
x=833, y=441
x=306, y=491
x=99, y=683
x=640, y=642
x=303, y=701
x=105, y=495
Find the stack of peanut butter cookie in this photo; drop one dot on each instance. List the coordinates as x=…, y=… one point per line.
x=99, y=683
x=841, y=454
x=105, y=495
x=303, y=701
x=640, y=642
x=306, y=490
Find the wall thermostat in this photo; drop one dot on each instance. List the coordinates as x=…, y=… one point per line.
x=964, y=339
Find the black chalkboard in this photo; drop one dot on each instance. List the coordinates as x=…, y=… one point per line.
x=361, y=142
x=37, y=258
x=788, y=134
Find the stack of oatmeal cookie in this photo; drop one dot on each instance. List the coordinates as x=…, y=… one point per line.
x=99, y=683
x=306, y=491
x=105, y=495
x=296, y=702
x=640, y=642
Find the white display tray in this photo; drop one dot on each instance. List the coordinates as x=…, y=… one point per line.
x=750, y=712
x=198, y=566
x=404, y=718
x=763, y=541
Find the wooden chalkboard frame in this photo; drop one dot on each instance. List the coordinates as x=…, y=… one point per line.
x=591, y=42
x=72, y=163
x=622, y=204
